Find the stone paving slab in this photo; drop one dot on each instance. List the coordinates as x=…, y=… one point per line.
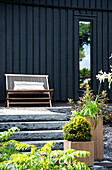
x=32, y=110
x=37, y=135
x=97, y=167
x=107, y=164
x=56, y=125
x=39, y=144
x=33, y=117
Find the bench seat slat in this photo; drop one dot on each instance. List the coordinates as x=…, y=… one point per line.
x=29, y=102
x=43, y=98
x=50, y=90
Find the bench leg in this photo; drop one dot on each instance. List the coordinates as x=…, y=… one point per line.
x=7, y=101
x=50, y=96
x=50, y=103
x=8, y=104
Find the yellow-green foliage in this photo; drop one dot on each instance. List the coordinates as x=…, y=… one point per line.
x=42, y=159
x=77, y=129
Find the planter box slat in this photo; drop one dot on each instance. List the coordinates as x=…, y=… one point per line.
x=97, y=137
x=84, y=146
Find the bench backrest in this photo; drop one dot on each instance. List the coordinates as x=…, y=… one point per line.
x=10, y=78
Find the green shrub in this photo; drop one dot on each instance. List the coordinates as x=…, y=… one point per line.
x=77, y=129
x=41, y=159
x=90, y=105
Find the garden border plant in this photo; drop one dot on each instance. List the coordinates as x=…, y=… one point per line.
x=93, y=108
x=90, y=105
x=77, y=135
x=37, y=159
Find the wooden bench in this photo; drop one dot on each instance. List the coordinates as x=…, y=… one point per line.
x=15, y=93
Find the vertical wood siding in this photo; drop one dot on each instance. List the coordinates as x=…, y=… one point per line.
x=43, y=40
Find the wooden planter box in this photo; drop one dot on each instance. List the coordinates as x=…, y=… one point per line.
x=84, y=146
x=97, y=137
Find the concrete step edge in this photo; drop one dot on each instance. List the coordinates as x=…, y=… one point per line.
x=41, y=141
x=58, y=144
x=38, y=131
x=36, y=117
x=39, y=122
x=37, y=135
x=26, y=126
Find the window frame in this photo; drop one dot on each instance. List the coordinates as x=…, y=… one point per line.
x=93, y=21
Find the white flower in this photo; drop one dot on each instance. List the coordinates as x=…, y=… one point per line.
x=102, y=76
x=101, y=71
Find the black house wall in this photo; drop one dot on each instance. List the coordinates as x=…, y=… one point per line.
x=41, y=37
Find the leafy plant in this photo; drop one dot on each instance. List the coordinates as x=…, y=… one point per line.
x=77, y=129
x=90, y=105
x=84, y=34
x=84, y=72
x=41, y=159
x=84, y=77
x=7, y=148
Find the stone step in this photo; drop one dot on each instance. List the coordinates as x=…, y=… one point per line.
x=36, y=129
x=37, y=135
x=105, y=163
x=57, y=146
x=33, y=117
x=56, y=125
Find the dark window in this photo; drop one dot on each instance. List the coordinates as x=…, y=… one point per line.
x=84, y=53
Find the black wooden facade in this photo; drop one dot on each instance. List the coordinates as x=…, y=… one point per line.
x=41, y=37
